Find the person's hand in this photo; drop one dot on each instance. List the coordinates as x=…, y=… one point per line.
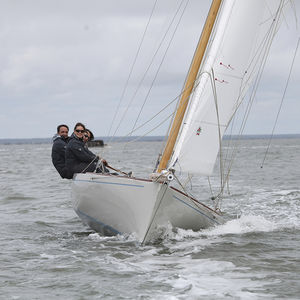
x=102, y=160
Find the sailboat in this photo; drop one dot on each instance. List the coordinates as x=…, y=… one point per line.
x=229, y=57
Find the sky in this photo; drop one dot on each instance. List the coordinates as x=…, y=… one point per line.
x=68, y=61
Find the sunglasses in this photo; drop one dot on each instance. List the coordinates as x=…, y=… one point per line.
x=86, y=136
x=81, y=131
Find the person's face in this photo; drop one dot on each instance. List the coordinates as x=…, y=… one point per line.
x=79, y=130
x=63, y=131
x=86, y=136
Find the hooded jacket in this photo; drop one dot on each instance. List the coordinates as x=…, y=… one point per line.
x=58, y=155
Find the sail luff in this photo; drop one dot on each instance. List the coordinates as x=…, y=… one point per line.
x=189, y=84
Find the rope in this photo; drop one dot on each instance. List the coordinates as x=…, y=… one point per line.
x=188, y=194
x=118, y=170
x=281, y=102
x=88, y=165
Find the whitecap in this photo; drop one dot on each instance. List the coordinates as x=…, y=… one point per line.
x=244, y=224
x=97, y=237
x=47, y=256
x=205, y=277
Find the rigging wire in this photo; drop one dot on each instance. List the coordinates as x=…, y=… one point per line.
x=265, y=45
x=148, y=68
x=131, y=69
x=281, y=102
x=188, y=194
x=161, y=62
x=214, y=88
x=145, y=134
x=197, y=81
x=164, y=108
x=294, y=10
x=194, y=84
x=169, y=116
x=153, y=117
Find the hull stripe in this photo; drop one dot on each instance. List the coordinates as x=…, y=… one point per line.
x=200, y=212
x=113, y=183
x=84, y=215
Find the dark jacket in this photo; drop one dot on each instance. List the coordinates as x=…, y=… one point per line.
x=78, y=158
x=58, y=155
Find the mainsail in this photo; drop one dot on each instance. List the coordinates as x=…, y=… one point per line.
x=235, y=51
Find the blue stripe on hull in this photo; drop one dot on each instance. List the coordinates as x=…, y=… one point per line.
x=103, y=227
x=113, y=183
x=198, y=211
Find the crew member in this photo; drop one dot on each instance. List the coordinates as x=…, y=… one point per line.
x=60, y=141
x=78, y=158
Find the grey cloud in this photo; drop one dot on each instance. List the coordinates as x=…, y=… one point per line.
x=65, y=61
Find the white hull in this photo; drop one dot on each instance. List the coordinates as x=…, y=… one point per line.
x=117, y=205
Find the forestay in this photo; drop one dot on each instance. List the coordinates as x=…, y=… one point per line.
x=231, y=60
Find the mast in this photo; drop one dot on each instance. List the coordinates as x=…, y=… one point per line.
x=189, y=83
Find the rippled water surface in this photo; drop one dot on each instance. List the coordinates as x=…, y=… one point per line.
x=47, y=252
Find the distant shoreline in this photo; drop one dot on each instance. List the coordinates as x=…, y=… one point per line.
x=145, y=139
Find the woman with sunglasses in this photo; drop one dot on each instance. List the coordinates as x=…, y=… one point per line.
x=78, y=158
x=88, y=136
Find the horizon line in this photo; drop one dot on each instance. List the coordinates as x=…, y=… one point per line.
x=160, y=136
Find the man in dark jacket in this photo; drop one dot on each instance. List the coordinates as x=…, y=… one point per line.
x=60, y=141
x=78, y=158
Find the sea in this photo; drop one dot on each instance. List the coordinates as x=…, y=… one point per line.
x=48, y=253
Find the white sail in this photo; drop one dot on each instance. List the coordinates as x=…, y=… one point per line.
x=224, y=77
